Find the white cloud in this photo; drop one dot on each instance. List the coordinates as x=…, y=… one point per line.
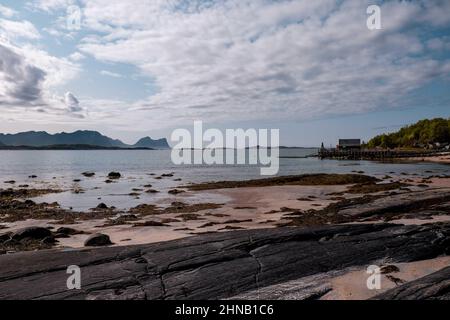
x=50, y=5
x=251, y=59
x=18, y=29
x=7, y=12
x=110, y=74
x=77, y=56
x=261, y=59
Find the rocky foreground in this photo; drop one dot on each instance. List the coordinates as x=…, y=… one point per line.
x=223, y=265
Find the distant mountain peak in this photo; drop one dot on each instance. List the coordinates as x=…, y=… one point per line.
x=148, y=142
x=79, y=137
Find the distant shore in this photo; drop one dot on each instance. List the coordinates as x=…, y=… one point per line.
x=71, y=147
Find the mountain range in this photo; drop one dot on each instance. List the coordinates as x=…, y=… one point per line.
x=79, y=138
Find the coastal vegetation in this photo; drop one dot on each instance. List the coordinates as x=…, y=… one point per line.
x=419, y=135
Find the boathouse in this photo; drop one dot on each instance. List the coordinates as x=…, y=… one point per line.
x=349, y=144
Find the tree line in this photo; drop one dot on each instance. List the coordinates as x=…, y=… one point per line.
x=420, y=134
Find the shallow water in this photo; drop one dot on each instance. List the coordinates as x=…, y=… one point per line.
x=59, y=169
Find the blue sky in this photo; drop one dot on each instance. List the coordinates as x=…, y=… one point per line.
x=310, y=68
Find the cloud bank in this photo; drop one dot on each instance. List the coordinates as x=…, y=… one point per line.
x=251, y=60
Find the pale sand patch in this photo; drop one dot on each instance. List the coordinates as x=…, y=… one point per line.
x=353, y=286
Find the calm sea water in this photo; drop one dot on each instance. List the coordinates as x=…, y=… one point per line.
x=59, y=169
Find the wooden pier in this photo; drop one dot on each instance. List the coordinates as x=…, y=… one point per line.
x=372, y=154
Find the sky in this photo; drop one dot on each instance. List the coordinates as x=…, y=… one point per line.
x=312, y=69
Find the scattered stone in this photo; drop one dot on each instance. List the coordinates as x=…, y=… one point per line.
x=152, y=191
x=148, y=186
x=286, y=209
x=176, y=191
x=231, y=228
x=67, y=231
x=237, y=221
x=183, y=229
x=389, y=269
x=395, y=280
x=209, y=224
x=114, y=175
x=150, y=224
x=36, y=233
x=88, y=174
x=98, y=240
x=189, y=217
x=170, y=220
x=373, y=187
x=102, y=206
x=217, y=215
x=307, y=179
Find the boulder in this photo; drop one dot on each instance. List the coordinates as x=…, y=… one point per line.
x=102, y=206
x=67, y=231
x=98, y=240
x=36, y=233
x=114, y=175
x=176, y=191
x=88, y=174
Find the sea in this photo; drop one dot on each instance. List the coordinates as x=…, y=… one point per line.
x=140, y=168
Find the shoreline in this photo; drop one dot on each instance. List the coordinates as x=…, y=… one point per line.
x=293, y=203
x=253, y=204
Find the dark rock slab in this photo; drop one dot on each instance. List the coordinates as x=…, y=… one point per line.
x=215, y=266
x=435, y=286
x=398, y=202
